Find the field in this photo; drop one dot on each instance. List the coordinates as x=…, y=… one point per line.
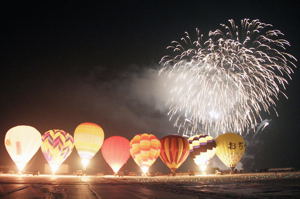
x=252, y=185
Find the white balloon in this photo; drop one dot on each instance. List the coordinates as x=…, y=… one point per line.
x=21, y=143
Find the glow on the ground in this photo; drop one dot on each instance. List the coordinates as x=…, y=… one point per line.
x=54, y=168
x=203, y=168
x=116, y=168
x=85, y=163
x=144, y=169
x=21, y=166
x=84, y=178
x=202, y=164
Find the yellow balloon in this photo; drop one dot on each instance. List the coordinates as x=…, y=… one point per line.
x=230, y=148
x=88, y=139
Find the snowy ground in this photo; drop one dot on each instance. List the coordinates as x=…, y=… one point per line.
x=262, y=185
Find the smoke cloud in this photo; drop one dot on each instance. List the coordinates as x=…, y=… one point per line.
x=131, y=101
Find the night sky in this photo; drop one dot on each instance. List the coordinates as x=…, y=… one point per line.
x=66, y=63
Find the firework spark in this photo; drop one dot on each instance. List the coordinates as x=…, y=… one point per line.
x=224, y=82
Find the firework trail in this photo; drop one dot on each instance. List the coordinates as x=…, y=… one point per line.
x=222, y=81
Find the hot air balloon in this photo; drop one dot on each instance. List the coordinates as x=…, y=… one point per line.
x=88, y=138
x=174, y=151
x=56, y=146
x=115, y=151
x=230, y=148
x=21, y=143
x=202, y=149
x=144, y=149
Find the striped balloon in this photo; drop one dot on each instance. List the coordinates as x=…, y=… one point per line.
x=174, y=151
x=88, y=138
x=202, y=149
x=56, y=146
x=144, y=149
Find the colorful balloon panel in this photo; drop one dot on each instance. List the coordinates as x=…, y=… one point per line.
x=230, y=148
x=202, y=148
x=56, y=146
x=21, y=143
x=145, y=149
x=88, y=138
x=174, y=151
x=115, y=151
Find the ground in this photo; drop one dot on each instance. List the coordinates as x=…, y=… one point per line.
x=253, y=185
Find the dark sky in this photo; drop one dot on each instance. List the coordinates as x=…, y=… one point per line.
x=66, y=63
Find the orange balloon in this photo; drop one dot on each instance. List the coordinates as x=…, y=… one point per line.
x=144, y=149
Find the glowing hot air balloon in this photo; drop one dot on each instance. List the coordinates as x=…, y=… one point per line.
x=115, y=151
x=230, y=148
x=21, y=143
x=202, y=149
x=88, y=138
x=174, y=151
x=144, y=149
x=56, y=146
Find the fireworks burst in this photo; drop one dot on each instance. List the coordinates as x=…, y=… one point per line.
x=224, y=82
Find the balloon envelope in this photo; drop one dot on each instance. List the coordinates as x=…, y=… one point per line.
x=115, y=151
x=21, y=143
x=88, y=139
x=174, y=151
x=144, y=149
x=230, y=148
x=56, y=146
x=202, y=149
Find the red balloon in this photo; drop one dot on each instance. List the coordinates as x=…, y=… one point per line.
x=174, y=151
x=115, y=151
